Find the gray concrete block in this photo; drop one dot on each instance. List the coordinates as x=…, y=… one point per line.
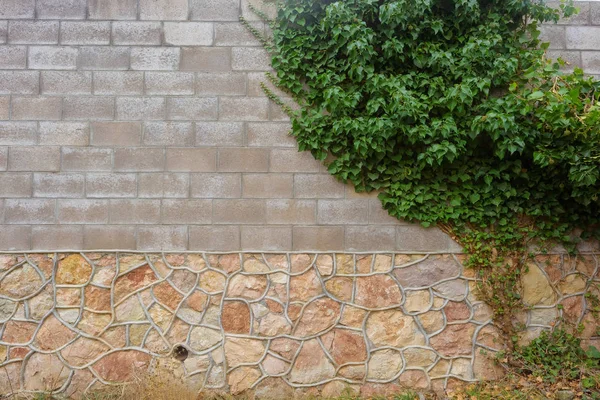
x=104, y=58
x=15, y=184
x=270, y=134
x=19, y=82
x=214, y=238
x=163, y=9
x=52, y=57
x=250, y=59
x=116, y=133
x=216, y=186
x=141, y=108
x=3, y=158
x=416, y=238
x=66, y=82
x=3, y=32
x=215, y=10
x=243, y=159
x=191, y=160
x=318, y=186
x=17, y=9
x=92, y=159
x=290, y=160
x=85, y=108
x=136, y=33
x=188, y=33
x=33, y=32
x=82, y=211
x=591, y=62
x=85, y=33
x=553, y=34
x=111, y=185
x=34, y=158
x=139, y=159
x=36, y=108
x=266, y=238
x=318, y=238
x=243, y=109
x=57, y=237
x=370, y=238
x=61, y=9
x=4, y=107
x=206, y=59
x=268, y=186
x=58, y=185
x=239, y=211
x=169, y=83
x=221, y=84
x=15, y=237
x=170, y=238
x=112, y=9
x=118, y=83
x=291, y=212
x=168, y=134
x=192, y=108
x=154, y=59
x=109, y=237
x=219, y=134
x=13, y=57
x=64, y=133
x=134, y=211
x=343, y=212
x=17, y=133
x=163, y=185
x=236, y=34
x=186, y=211
x=29, y=211
x=583, y=37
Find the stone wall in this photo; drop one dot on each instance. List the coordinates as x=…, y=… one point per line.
x=273, y=323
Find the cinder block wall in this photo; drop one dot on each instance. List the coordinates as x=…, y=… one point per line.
x=140, y=124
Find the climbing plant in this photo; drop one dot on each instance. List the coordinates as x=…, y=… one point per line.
x=451, y=110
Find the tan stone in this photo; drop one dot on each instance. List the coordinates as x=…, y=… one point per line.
x=97, y=299
x=68, y=296
x=486, y=368
x=384, y=365
x=304, y=287
x=132, y=281
x=7, y=261
x=156, y=343
x=482, y=312
x=202, y=338
x=324, y=264
x=277, y=261
x=178, y=332
x=417, y=301
x=197, y=301
x=363, y=263
x=274, y=306
x=212, y=282
x=127, y=261
x=249, y=287
x=19, y=353
x=167, y=295
x=586, y=264
x=454, y=340
x=196, y=363
x=130, y=310
x=419, y=357
x=241, y=351
x=255, y=263
x=344, y=263
x=490, y=336
x=335, y=389
x=572, y=284
x=53, y=334
x=378, y=390
x=300, y=262
x=18, y=332
x=229, y=262
x=455, y=290
x=104, y=275
x=242, y=379
x=161, y=316
x=393, y=328
x=7, y=308
x=284, y=347
x=440, y=368
x=543, y=316
x=528, y=335
x=536, y=288
x=41, y=304
x=115, y=336
x=44, y=372
x=83, y=351
x=383, y=263
x=377, y=291
x=461, y=367
x=236, y=317
x=80, y=381
x=73, y=270
x=340, y=288
x=354, y=372
x=274, y=366
x=413, y=380
x=353, y=316
x=312, y=365
x=137, y=332
x=21, y=282
x=273, y=325
x=318, y=316
x=273, y=389
x=345, y=346
x=120, y=366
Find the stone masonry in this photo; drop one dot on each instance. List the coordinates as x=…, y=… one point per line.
x=140, y=124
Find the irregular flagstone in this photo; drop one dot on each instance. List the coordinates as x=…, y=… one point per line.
x=419, y=357
x=243, y=351
x=21, y=282
x=384, y=365
x=73, y=270
x=306, y=286
x=324, y=264
x=454, y=340
x=417, y=301
x=377, y=291
x=202, y=338
x=242, y=379
x=345, y=346
x=249, y=287
x=312, y=365
x=340, y=288
x=235, y=317
x=167, y=295
x=97, y=298
x=93, y=323
x=134, y=280
x=41, y=304
x=18, y=332
x=121, y=366
x=428, y=272
x=285, y=347
x=44, y=372
x=318, y=316
x=274, y=325
x=82, y=351
x=536, y=288
x=413, y=379
x=53, y=334
x=393, y=328
x=274, y=366
x=212, y=282
x=7, y=308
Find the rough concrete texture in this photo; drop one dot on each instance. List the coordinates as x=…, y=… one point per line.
x=267, y=322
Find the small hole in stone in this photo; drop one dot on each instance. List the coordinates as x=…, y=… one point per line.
x=180, y=353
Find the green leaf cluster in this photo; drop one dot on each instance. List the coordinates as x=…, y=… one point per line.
x=448, y=108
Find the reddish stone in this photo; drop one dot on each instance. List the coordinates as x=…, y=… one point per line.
x=294, y=311
x=7, y=261
x=178, y=332
x=175, y=260
x=457, y=311
x=16, y=332
x=413, y=379
x=572, y=308
x=68, y=296
x=312, y=365
x=229, y=262
x=116, y=337
x=235, y=317
x=345, y=346
x=490, y=336
x=325, y=264
x=53, y=334
x=197, y=301
x=455, y=340
x=274, y=306
x=132, y=281
x=97, y=299
x=306, y=286
x=363, y=264
x=428, y=272
x=44, y=263
x=300, y=262
x=82, y=351
x=318, y=316
x=19, y=353
x=377, y=291
x=120, y=366
x=167, y=295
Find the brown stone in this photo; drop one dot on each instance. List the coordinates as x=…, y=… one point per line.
x=137, y=332
x=353, y=317
x=18, y=332
x=384, y=364
x=44, y=372
x=68, y=296
x=53, y=334
x=274, y=306
x=419, y=357
x=300, y=262
x=236, y=317
x=383, y=263
x=377, y=390
x=345, y=346
x=457, y=311
x=97, y=299
x=242, y=351
x=184, y=280
x=79, y=383
x=304, y=287
x=363, y=263
x=413, y=379
x=273, y=389
x=377, y=291
x=485, y=366
x=120, y=366
x=318, y=316
x=115, y=336
x=167, y=295
x=21, y=282
x=249, y=287
x=19, y=353
x=491, y=337
x=572, y=308
x=428, y=272
x=571, y=284
x=393, y=328
x=229, y=262
x=127, y=261
x=197, y=301
x=242, y=379
x=104, y=275
x=312, y=365
x=41, y=304
x=7, y=261
x=344, y=263
x=454, y=340
x=73, y=270
x=44, y=262
x=285, y=347
x=132, y=281
x=340, y=288
x=93, y=323
x=354, y=372
x=274, y=325
x=82, y=351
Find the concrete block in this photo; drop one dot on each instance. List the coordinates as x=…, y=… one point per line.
x=581, y=18
x=109, y=237
x=104, y=58
x=15, y=184
x=98, y=108
x=185, y=211
x=583, y=37
x=591, y=62
x=192, y=108
x=168, y=134
x=188, y=33
x=595, y=13
x=34, y=158
x=17, y=9
x=154, y=58
x=572, y=58
x=370, y=238
x=169, y=83
x=134, y=211
x=118, y=83
x=215, y=10
x=13, y=57
x=214, y=238
x=15, y=237
x=239, y=211
x=243, y=159
x=85, y=33
x=236, y=34
x=141, y=108
x=219, y=134
x=343, y=212
x=163, y=185
x=61, y=9
x=33, y=32
x=66, y=82
x=191, y=160
x=58, y=185
x=112, y=9
x=4, y=107
x=270, y=134
x=263, y=186
x=111, y=185
x=216, y=186
x=3, y=158
x=57, y=237
x=284, y=160
x=206, y=59
x=52, y=57
x=86, y=159
x=82, y=211
x=318, y=238
x=553, y=34
x=291, y=212
x=416, y=238
x=136, y=33
x=266, y=238
x=163, y=9
x=64, y=133
x=19, y=82
x=317, y=186
x=169, y=238
x=3, y=32
x=221, y=84
x=139, y=159
x=116, y=133
x=36, y=108
x=250, y=59
x=29, y=211
x=244, y=109
x=17, y=133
